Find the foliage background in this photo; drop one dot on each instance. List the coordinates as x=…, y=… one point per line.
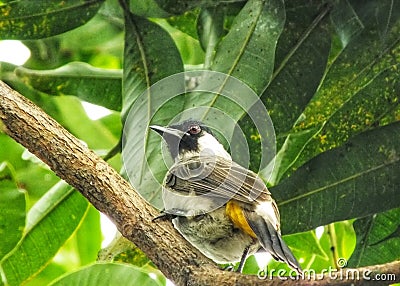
x=327, y=71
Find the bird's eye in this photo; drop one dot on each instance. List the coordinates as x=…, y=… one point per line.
x=194, y=129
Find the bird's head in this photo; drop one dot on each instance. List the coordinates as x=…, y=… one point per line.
x=190, y=138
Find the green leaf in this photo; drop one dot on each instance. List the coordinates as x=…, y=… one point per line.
x=302, y=244
x=188, y=46
x=351, y=181
x=13, y=210
x=7, y=74
x=50, y=222
x=25, y=19
x=378, y=239
x=133, y=255
x=141, y=147
x=305, y=247
x=337, y=241
x=294, y=82
x=48, y=274
x=89, y=237
x=250, y=266
x=149, y=8
x=298, y=72
x=210, y=28
x=186, y=23
x=110, y=274
x=102, y=37
x=346, y=21
x=73, y=117
x=35, y=178
x=360, y=89
x=345, y=239
x=180, y=6
x=249, y=47
x=113, y=124
x=98, y=86
x=288, y=154
x=147, y=46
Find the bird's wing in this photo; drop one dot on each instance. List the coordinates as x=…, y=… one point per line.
x=216, y=177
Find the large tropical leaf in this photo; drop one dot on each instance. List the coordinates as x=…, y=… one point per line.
x=249, y=47
x=295, y=81
x=147, y=46
x=351, y=91
x=357, y=179
x=25, y=19
x=89, y=237
x=210, y=29
x=13, y=210
x=102, y=37
x=98, y=86
x=109, y=274
x=150, y=55
x=180, y=6
x=50, y=222
x=360, y=89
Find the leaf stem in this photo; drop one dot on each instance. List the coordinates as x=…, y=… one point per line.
x=334, y=248
x=114, y=151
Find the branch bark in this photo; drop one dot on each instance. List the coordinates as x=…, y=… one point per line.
x=112, y=195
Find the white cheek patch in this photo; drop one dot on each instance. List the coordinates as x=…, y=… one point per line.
x=209, y=146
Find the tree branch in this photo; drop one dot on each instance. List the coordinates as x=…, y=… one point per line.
x=113, y=196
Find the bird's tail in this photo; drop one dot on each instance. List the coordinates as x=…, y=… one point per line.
x=271, y=240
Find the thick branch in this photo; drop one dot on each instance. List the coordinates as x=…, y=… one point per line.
x=112, y=195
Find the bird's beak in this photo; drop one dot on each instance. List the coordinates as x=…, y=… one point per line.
x=167, y=131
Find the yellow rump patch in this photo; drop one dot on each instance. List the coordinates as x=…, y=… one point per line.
x=235, y=213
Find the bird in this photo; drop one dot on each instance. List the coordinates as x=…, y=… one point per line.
x=220, y=207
